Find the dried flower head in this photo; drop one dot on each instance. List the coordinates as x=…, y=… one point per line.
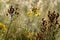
x=11, y=10
x=52, y=16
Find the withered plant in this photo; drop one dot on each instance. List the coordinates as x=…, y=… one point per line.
x=49, y=27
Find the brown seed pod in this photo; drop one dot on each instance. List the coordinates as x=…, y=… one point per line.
x=11, y=10
x=51, y=16
x=56, y=22
x=59, y=25
x=53, y=12
x=6, y=14
x=48, y=13
x=44, y=22
x=57, y=15
x=16, y=13
x=40, y=36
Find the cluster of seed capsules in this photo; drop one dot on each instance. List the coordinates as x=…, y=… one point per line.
x=47, y=24
x=12, y=10
x=53, y=16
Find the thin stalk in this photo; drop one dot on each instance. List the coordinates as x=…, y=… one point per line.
x=8, y=30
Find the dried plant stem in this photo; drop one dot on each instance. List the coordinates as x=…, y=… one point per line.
x=6, y=38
